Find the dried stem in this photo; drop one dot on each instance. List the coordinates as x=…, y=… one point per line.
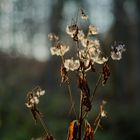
x=94, y=91
x=71, y=98
x=70, y=93
x=97, y=121
x=96, y=86
x=42, y=122
x=80, y=117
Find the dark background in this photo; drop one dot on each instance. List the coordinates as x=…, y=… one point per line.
x=25, y=62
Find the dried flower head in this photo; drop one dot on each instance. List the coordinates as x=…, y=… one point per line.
x=59, y=49
x=71, y=64
x=32, y=101
x=104, y=102
x=80, y=35
x=85, y=60
x=53, y=37
x=92, y=30
x=117, y=50
x=87, y=42
x=83, y=15
x=40, y=93
x=33, y=97
x=72, y=30
x=102, y=110
x=99, y=59
x=103, y=114
x=96, y=43
x=96, y=56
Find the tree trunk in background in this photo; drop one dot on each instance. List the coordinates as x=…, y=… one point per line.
x=56, y=16
x=122, y=32
x=137, y=54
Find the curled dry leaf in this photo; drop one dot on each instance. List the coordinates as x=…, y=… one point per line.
x=89, y=132
x=106, y=73
x=83, y=85
x=73, y=130
x=63, y=73
x=35, y=113
x=86, y=102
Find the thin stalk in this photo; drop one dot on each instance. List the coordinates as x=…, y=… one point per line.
x=70, y=93
x=98, y=119
x=96, y=86
x=80, y=117
x=71, y=98
x=42, y=123
x=78, y=48
x=94, y=91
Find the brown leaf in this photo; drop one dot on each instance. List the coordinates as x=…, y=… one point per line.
x=106, y=73
x=63, y=72
x=83, y=85
x=35, y=112
x=89, y=132
x=75, y=27
x=73, y=130
x=86, y=102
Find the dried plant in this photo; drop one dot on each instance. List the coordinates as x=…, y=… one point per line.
x=88, y=56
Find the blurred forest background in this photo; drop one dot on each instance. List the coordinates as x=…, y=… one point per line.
x=25, y=62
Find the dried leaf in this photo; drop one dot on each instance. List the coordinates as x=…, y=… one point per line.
x=35, y=112
x=75, y=35
x=106, y=73
x=86, y=102
x=63, y=72
x=73, y=130
x=83, y=85
x=89, y=132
